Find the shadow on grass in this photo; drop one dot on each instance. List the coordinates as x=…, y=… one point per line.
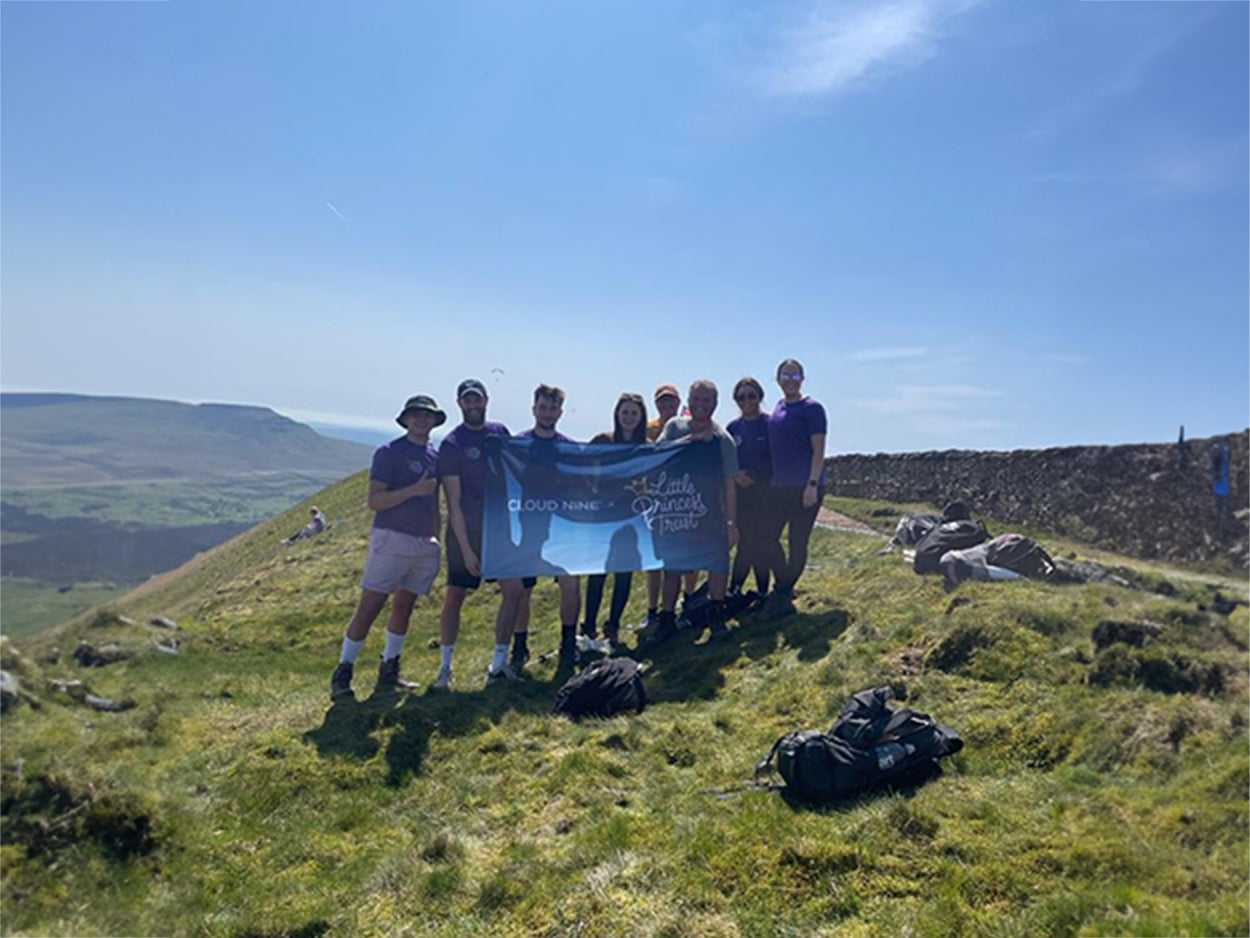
x=351, y=727
x=683, y=670
x=907, y=785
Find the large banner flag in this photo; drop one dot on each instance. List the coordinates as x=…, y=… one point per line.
x=555, y=507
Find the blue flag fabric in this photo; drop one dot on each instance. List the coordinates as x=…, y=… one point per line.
x=557, y=507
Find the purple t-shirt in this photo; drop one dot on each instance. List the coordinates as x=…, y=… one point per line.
x=398, y=464
x=751, y=438
x=558, y=437
x=462, y=454
x=790, y=431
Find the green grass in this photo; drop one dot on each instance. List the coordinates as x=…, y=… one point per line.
x=246, y=499
x=28, y=606
x=235, y=800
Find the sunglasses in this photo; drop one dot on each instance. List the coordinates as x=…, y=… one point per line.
x=746, y=396
x=789, y=377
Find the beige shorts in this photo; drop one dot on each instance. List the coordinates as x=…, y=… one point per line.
x=400, y=561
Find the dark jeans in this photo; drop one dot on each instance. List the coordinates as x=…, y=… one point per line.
x=594, y=598
x=786, y=512
x=756, y=550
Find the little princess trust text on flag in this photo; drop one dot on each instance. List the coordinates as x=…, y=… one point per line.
x=556, y=507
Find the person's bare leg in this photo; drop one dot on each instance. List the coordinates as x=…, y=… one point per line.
x=371, y=603
x=716, y=585
x=672, y=586
x=449, y=620
x=570, y=600
x=513, y=595
x=401, y=612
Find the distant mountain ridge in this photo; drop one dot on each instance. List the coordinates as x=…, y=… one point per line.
x=75, y=439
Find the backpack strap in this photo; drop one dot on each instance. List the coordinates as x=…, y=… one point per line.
x=766, y=764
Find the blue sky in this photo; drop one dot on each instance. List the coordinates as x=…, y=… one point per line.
x=979, y=224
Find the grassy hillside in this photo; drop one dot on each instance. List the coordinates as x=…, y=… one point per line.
x=1101, y=792
x=116, y=489
x=72, y=439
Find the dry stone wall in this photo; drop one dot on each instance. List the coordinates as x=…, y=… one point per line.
x=1146, y=500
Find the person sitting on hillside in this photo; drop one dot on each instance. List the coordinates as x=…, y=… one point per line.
x=314, y=526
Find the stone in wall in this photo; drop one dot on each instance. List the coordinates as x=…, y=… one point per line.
x=1143, y=500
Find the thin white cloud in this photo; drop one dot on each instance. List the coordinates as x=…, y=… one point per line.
x=836, y=46
x=886, y=354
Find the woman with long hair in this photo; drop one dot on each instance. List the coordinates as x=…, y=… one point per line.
x=629, y=425
x=750, y=434
x=796, y=445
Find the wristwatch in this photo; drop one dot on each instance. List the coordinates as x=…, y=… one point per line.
x=812, y=483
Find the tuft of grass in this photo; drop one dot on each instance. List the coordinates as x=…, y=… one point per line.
x=1080, y=805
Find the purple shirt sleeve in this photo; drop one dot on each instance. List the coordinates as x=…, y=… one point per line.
x=382, y=469
x=817, y=422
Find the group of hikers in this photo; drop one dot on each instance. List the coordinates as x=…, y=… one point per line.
x=773, y=474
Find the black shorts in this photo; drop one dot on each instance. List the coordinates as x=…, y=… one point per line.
x=457, y=573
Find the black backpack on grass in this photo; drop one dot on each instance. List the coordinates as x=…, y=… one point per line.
x=1020, y=554
x=949, y=535
x=869, y=746
x=606, y=687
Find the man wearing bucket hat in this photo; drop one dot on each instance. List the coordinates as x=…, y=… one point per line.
x=403, y=545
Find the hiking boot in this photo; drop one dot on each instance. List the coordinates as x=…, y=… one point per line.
x=520, y=655
x=665, y=629
x=612, y=634
x=568, y=652
x=444, y=679
x=389, y=676
x=500, y=675
x=341, y=681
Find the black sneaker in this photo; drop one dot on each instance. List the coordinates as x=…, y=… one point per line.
x=612, y=632
x=776, y=606
x=341, y=681
x=665, y=628
x=389, y=676
x=520, y=655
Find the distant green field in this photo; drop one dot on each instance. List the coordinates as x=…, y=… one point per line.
x=28, y=606
x=244, y=499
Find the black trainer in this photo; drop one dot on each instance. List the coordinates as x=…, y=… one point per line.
x=341, y=681
x=665, y=628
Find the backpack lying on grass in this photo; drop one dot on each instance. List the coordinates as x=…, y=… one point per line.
x=949, y=535
x=869, y=746
x=911, y=529
x=1015, y=553
x=608, y=686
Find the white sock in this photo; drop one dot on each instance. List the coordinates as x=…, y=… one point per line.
x=501, y=657
x=351, y=650
x=394, y=645
x=447, y=650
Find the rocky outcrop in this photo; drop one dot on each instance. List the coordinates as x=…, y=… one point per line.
x=1146, y=500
